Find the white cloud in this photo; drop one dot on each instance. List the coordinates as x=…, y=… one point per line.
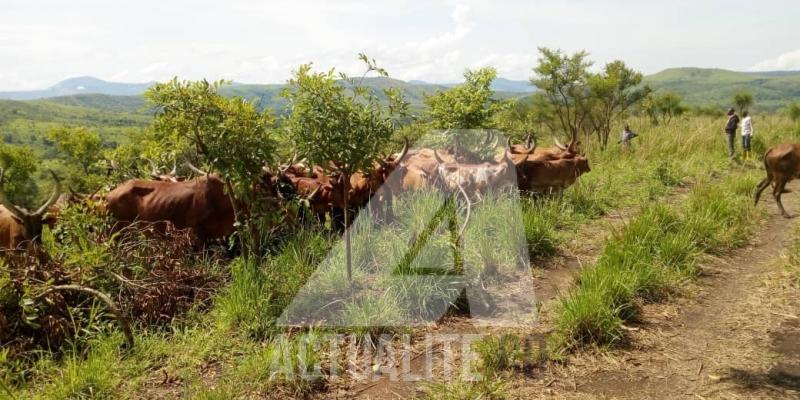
x=154, y=67
x=432, y=40
x=786, y=61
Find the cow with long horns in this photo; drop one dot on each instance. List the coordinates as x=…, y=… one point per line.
x=18, y=225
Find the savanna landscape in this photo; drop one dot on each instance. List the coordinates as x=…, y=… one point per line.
x=348, y=234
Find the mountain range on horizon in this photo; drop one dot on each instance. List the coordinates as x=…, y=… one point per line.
x=699, y=86
x=91, y=85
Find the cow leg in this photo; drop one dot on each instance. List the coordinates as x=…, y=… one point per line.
x=781, y=183
x=761, y=186
x=337, y=219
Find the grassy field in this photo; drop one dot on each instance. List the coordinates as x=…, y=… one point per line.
x=227, y=346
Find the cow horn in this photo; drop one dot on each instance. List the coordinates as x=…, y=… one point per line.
x=404, y=151
x=52, y=200
x=508, y=145
x=528, y=139
x=558, y=144
x=530, y=144
x=174, y=170
x=153, y=168
x=436, y=155
x=16, y=211
x=195, y=169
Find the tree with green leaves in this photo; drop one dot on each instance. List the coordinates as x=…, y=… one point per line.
x=229, y=135
x=469, y=105
x=662, y=107
x=743, y=100
x=19, y=164
x=793, y=111
x=613, y=92
x=80, y=145
x=83, y=151
x=339, y=124
x=563, y=79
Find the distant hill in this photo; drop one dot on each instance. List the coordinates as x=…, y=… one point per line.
x=127, y=98
x=701, y=86
x=79, y=85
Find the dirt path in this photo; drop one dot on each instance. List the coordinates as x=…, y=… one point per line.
x=738, y=337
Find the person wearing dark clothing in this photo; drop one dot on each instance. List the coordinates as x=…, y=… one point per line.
x=730, y=131
x=627, y=136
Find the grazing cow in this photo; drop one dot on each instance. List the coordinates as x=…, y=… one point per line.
x=541, y=176
x=18, y=225
x=198, y=204
x=782, y=164
x=325, y=192
x=473, y=178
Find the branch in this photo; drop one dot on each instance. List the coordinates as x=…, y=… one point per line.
x=121, y=319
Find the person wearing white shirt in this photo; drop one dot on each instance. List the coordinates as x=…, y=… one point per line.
x=747, y=134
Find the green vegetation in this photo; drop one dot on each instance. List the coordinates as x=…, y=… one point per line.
x=650, y=258
x=717, y=87
x=206, y=325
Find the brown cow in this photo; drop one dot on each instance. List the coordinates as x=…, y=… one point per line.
x=782, y=164
x=198, y=204
x=541, y=176
x=18, y=225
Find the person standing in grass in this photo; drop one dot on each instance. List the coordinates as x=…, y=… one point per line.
x=730, y=131
x=747, y=134
x=627, y=136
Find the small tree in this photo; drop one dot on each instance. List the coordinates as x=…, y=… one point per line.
x=469, y=105
x=229, y=135
x=19, y=164
x=743, y=100
x=340, y=124
x=663, y=107
x=80, y=145
x=83, y=150
x=613, y=92
x=563, y=81
x=793, y=111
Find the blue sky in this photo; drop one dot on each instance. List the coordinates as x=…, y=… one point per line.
x=42, y=42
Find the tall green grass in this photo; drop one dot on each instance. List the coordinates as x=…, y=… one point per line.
x=649, y=259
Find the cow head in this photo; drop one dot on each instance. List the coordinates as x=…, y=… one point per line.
x=31, y=222
x=389, y=164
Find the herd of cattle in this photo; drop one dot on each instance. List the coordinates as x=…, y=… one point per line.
x=203, y=206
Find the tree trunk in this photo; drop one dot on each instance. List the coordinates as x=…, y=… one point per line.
x=348, y=253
